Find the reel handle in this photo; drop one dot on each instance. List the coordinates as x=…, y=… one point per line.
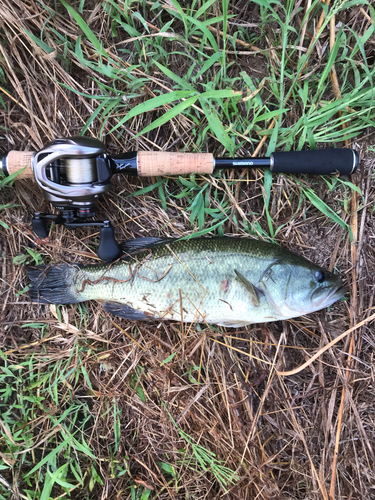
x=17, y=160
x=108, y=250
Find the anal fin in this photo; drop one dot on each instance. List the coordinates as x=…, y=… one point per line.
x=125, y=311
x=234, y=323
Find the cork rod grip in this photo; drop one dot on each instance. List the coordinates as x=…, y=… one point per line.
x=153, y=163
x=17, y=160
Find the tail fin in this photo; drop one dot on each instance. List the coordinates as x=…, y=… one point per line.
x=53, y=285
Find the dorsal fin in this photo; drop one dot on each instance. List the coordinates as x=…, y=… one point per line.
x=254, y=296
x=139, y=244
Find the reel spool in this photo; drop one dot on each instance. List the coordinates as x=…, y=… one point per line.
x=80, y=171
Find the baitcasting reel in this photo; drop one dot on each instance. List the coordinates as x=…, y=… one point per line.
x=73, y=172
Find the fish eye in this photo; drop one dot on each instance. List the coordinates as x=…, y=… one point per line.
x=319, y=276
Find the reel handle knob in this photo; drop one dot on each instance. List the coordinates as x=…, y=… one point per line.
x=108, y=248
x=39, y=225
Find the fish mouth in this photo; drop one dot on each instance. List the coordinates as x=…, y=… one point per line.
x=333, y=294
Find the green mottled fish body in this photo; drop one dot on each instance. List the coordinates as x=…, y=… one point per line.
x=224, y=281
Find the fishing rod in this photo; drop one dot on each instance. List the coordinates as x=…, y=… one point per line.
x=73, y=172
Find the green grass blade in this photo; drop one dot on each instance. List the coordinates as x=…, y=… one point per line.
x=208, y=64
x=93, y=116
x=330, y=63
x=40, y=43
x=152, y=104
x=178, y=7
x=176, y=110
x=147, y=189
x=216, y=126
x=197, y=234
x=270, y=114
x=175, y=78
x=206, y=32
x=220, y=94
x=206, y=5
x=85, y=28
x=326, y=210
x=50, y=456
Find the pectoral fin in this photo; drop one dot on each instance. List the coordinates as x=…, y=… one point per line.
x=254, y=296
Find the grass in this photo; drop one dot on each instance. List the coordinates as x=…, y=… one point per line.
x=92, y=409
x=32, y=442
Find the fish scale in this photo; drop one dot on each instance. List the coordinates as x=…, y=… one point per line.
x=225, y=281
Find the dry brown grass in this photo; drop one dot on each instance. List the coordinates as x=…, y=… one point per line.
x=277, y=433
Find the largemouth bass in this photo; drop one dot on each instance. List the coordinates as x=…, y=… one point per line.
x=225, y=281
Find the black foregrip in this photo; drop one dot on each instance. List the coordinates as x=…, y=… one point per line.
x=321, y=162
